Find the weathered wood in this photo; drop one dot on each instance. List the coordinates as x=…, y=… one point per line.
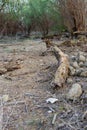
x=63, y=63
x=49, y=43
x=80, y=33
x=63, y=67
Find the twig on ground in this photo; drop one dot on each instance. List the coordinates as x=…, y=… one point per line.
x=54, y=118
x=13, y=103
x=68, y=123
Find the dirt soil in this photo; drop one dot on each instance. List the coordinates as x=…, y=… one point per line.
x=26, y=90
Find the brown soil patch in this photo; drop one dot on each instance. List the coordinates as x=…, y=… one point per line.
x=29, y=86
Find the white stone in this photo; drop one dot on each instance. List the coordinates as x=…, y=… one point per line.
x=73, y=58
x=75, y=91
x=72, y=70
x=69, y=80
x=84, y=74
x=78, y=72
x=82, y=58
x=81, y=64
x=5, y=98
x=75, y=65
x=3, y=70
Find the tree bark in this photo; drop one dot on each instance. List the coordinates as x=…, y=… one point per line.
x=63, y=67
x=63, y=64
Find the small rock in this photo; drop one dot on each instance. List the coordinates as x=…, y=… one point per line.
x=78, y=72
x=73, y=42
x=81, y=64
x=60, y=126
x=84, y=117
x=2, y=71
x=82, y=37
x=41, y=64
x=5, y=98
x=75, y=92
x=72, y=70
x=73, y=58
x=78, y=79
x=84, y=98
x=82, y=58
x=84, y=74
x=81, y=53
x=69, y=80
x=85, y=64
x=75, y=65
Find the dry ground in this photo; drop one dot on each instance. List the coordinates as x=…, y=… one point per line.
x=30, y=86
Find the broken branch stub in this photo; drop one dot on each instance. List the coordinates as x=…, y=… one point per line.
x=48, y=43
x=63, y=67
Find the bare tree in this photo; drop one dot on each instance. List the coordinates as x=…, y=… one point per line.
x=74, y=14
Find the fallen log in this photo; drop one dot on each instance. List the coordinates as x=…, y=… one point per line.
x=68, y=43
x=63, y=64
x=80, y=33
x=63, y=67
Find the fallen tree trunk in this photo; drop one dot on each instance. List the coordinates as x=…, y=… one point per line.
x=63, y=64
x=81, y=33
x=63, y=67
